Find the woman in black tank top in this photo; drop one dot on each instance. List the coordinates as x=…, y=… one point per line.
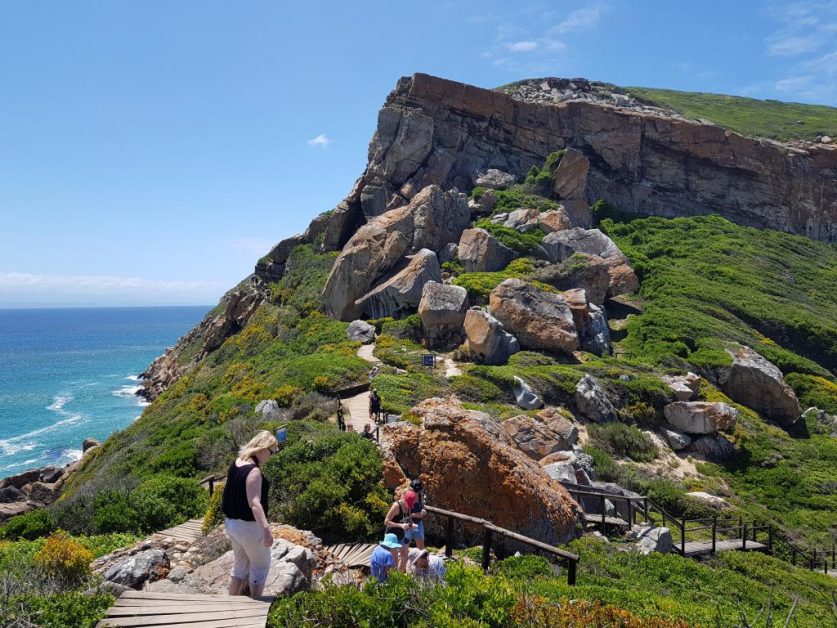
x=245, y=507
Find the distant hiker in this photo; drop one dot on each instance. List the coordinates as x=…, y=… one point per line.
x=375, y=406
x=398, y=521
x=341, y=420
x=417, y=515
x=426, y=566
x=244, y=504
x=384, y=557
x=367, y=432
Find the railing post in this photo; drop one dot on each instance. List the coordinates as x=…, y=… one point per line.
x=486, y=547
x=754, y=529
x=833, y=557
x=744, y=537
x=645, y=503
x=813, y=560
x=770, y=538
x=603, y=512
x=683, y=537
x=571, y=569
x=630, y=512
x=449, y=537
x=714, y=532
x=793, y=556
x=211, y=486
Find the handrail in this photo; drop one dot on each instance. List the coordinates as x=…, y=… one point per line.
x=489, y=529
x=211, y=479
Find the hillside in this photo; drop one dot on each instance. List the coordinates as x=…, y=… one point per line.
x=517, y=237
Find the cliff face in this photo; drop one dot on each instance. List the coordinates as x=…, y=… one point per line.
x=642, y=159
x=436, y=131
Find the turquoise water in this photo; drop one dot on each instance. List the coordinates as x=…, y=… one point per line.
x=70, y=374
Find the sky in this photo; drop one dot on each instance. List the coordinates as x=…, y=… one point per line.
x=151, y=152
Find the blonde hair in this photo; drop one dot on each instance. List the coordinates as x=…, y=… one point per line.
x=262, y=440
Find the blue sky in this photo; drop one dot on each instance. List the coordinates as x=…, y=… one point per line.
x=151, y=151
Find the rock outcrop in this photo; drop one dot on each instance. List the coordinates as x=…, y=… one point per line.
x=588, y=272
x=538, y=319
x=430, y=221
x=479, y=252
x=487, y=340
x=361, y=331
x=538, y=437
x=592, y=402
x=468, y=464
x=400, y=292
x=758, y=384
x=442, y=310
x=701, y=417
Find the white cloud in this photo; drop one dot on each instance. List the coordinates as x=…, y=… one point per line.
x=792, y=45
x=522, y=46
x=99, y=284
x=320, y=141
x=579, y=19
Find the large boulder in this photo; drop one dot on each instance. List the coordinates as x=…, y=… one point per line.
x=655, y=540
x=523, y=220
x=494, y=179
x=714, y=447
x=21, y=479
x=431, y=220
x=51, y=474
x=12, y=509
x=590, y=322
x=592, y=401
x=525, y=396
x=539, y=320
x=136, y=570
x=554, y=220
x=581, y=270
x=539, y=437
x=9, y=494
x=42, y=493
x=468, y=464
x=676, y=440
x=487, y=340
x=479, y=251
x=684, y=387
x=562, y=245
x=269, y=409
x=400, y=292
x=701, y=417
x=571, y=175
x=361, y=331
x=89, y=443
x=442, y=310
x=758, y=384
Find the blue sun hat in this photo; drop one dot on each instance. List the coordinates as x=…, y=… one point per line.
x=391, y=541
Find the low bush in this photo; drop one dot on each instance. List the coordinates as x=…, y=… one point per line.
x=31, y=525
x=408, y=328
x=64, y=559
x=213, y=516
x=79, y=609
x=619, y=439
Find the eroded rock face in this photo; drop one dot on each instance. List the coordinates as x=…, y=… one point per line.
x=479, y=252
x=442, y=310
x=714, y=447
x=538, y=438
x=701, y=417
x=400, y=292
x=538, y=319
x=469, y=464
x=494, y=179
x=431, y=220
x=487, y=340
x=555, y=220
x=757, y=383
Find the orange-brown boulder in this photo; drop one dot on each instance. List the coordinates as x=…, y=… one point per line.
x=468, y=464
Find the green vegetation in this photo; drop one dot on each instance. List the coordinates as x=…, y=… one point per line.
x=522, y=243
x=748, y=116
x=614, y=588
x=518, y=196
x=619, y=439
x=328, y=482
x=480, y=285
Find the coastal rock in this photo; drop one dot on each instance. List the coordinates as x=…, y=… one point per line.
x=592, y=402
x=581, y=270
x=493, y=479
x=562, y=245
x=88, y=444
x=539, y=320
x=525, y=397
x=9, y=510
x=538, y=438
x=554, y=220
x=758, y=384
x=269, y=409
x=361, y=331
x=523, y=220
x=494, y=179
x=676, y=440
x=479, y=252
x=487, y=340
x=685, y=387
x=655, y=540
x=710, y=500
x=400, y=292
x=136, y=570
x=595, y=337
x=714, y=447
x=442, y=310
x=51, y=474
x=10, y=494
x=431, y=220
x=42, y=493
x=21, y=479
x=700, y=417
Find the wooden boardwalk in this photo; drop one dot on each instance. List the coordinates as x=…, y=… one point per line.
x=594, y=519
x=145, y=608
x=696, y=548
x=188, y=532
x=353, y=554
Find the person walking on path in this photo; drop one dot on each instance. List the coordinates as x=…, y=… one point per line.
x=375, y=406
x=244, y=504
x=398, y=521
x=384, y=557
x=417, y=515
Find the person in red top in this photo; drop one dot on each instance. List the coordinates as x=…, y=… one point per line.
x=398, y=521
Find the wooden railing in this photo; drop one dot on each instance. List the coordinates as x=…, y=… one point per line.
x=210, y=480
x=489, y=530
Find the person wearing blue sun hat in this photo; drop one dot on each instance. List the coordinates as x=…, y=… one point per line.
x=384, y=557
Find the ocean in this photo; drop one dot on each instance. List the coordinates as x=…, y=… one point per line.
x=70, y=374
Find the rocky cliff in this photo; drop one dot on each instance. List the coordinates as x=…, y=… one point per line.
x=642, y=159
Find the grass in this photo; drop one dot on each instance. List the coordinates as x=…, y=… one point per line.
x=747, y=116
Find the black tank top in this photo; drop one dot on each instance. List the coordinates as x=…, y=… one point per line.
x=234, y=501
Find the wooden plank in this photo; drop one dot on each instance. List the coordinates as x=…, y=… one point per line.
x=703, y=547
x=613, y=521
x=182, y=608
x=166, y=595
x=249, y=617
x=223, y=623
x=145, y=602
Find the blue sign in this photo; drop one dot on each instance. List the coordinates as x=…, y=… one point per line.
x=282, y=435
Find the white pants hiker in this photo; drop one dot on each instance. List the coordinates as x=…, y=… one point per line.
x=252, y=558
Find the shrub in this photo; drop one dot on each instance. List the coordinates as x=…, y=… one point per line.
x=623, y=440
x=214, y=516
x=525, y=567
x=64, y=559
x=31, y=525
x=408, y=328
x=60, y=610
x=523, y=243
x=186, y=497
x=286, y=394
